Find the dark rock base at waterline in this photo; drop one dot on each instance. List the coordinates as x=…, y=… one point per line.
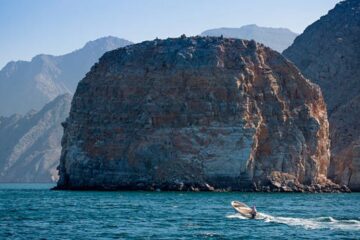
x=316, y=188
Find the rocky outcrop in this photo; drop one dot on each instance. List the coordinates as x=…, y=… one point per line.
x=30, y=85
x=30, y=145
x=328, y=52
x=200, y=113
x=276, y=38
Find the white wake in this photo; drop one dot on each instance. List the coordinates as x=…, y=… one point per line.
x=307, y=223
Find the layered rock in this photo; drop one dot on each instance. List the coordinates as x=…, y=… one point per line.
x=328, y=52
x=30, y=145
x=30, y=85
x=276, y=38
x=195, y=113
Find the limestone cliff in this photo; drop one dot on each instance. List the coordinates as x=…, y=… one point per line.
x=195, y=113
x=328, y=53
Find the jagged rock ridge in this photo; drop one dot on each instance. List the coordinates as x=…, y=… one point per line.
x=328, y=52
x=30, y=145
x=30, y=85
x=276, y=38
x=195, y=113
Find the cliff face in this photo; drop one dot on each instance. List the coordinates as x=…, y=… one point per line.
x=30, y=145
x=328, y=53
x=195, y=113
x=275, y=38
x=31, y=85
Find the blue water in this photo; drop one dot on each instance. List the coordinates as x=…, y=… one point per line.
x=32, y=211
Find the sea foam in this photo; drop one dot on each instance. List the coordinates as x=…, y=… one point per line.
x=307, y=223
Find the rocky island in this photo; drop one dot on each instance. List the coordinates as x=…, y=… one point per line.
x=199, y=113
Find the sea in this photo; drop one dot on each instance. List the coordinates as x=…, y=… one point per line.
x=33, y=211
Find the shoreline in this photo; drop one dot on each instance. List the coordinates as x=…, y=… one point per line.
x=264, y=189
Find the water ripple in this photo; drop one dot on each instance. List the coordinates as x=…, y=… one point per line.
x=34, y=212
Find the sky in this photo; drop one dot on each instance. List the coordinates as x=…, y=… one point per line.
x=31, y=27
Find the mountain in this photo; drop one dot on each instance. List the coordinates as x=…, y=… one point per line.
x=275, y=38
x=30, y=85
x=30, y=144
x=328, y=53
x=199, y=113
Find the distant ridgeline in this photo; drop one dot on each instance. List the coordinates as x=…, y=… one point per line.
x=276, y=38
x=30, y=85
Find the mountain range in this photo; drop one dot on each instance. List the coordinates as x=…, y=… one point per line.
x=32, y=104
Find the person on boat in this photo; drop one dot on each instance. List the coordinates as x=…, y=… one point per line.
x=253, y=212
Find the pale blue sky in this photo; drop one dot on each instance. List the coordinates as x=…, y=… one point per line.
x=30, y=27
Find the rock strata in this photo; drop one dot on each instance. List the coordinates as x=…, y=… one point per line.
x=199, y=113
x=328, y=53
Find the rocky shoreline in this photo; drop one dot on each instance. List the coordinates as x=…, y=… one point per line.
x=276, y=188
x=277, y=183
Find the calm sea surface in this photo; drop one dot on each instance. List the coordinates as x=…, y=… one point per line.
x=32, y=211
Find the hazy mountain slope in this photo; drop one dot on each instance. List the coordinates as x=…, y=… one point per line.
x=30, y=145
x=30, y=85
x=276, y=38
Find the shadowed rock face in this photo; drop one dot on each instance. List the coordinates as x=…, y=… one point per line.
x=30, y=145
x=345, y=142
x=195, y=113
x=328, y=53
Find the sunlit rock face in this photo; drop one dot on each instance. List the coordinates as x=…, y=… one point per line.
x=198, y=113
x=328, y=53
